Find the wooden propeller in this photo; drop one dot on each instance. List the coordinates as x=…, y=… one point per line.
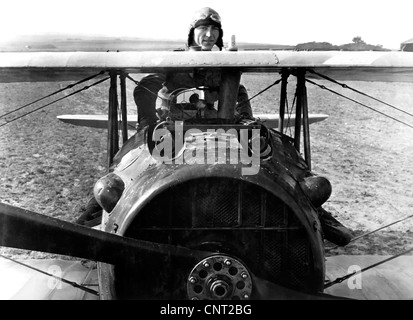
x=24, y=229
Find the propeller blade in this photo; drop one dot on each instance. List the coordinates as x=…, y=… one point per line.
x=24, y=229
x=266, y=290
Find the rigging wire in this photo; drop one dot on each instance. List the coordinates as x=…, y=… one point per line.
x=371, y=232
x=57, y=100
x=262, y=91
x=339, y=280
x=362, y=104
x=138, y=83
x=53, y=93
x=72, y=283
x=155, y=94
x=291, y=114
x=345, y=86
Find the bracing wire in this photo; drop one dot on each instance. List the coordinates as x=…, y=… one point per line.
x=138, y=83
x=339, y=280
x=53, y=93
x=359, y=92
x=57, y=100
x=374, y=231
x=355, y=101
x=262, y=91
x=72, y=283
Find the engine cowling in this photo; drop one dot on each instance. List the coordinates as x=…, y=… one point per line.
x=228, y=216
x=264, y=223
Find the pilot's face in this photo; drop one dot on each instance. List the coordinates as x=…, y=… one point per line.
x=206, y=36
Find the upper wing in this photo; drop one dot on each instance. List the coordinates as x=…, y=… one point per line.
x=341, y=65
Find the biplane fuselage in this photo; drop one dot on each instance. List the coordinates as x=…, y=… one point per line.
x=191, y=209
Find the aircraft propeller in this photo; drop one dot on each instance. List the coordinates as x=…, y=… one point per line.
x=18, y=226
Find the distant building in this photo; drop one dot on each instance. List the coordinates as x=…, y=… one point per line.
x=407, y=45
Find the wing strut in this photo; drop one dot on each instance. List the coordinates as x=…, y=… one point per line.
x=113, y=134
x=302, y=111
x=123, y=107
x=284, y=77
x=298, y=108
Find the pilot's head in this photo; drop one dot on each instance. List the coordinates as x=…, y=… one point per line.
x=205, y=30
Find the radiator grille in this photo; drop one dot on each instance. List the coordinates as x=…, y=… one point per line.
x=253, y=224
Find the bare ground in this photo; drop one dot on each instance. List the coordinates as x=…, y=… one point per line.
x=50, y=167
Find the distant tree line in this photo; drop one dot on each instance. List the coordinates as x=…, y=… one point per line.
x=357, y=45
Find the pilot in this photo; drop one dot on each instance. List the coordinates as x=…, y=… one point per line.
x=205, y=33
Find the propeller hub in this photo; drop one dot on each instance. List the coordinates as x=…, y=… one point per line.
x=219, y=277
x=219, y=289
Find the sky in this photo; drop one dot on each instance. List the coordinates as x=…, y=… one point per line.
x=288, y=22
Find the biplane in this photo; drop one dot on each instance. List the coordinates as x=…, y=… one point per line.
x=180, y=219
